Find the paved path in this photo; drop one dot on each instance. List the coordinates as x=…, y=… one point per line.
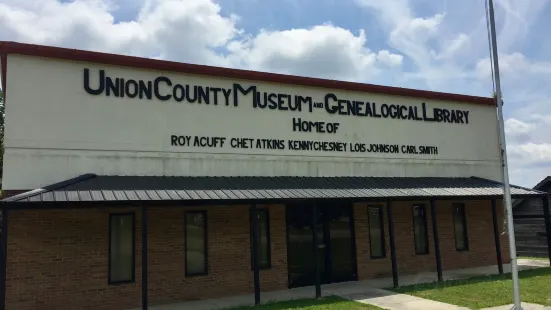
x=525, y=306
x=368, y=291
x=394, y=301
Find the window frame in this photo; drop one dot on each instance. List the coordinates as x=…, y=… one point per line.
x=425, y=224
x=382, y=225
x=267, y=212
x=463, y=222
x=110, y=263
x=205, y=241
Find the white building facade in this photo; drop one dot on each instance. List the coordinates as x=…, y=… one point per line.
x=65, y=118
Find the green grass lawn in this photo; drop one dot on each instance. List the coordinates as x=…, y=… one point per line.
x=488, y=291
x=325, y=303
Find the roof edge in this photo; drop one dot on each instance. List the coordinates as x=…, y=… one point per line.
x=546, y=180
x=511, y=185
x=537, y=187
x=30, y=196
x=51, y=187
x=9, y=47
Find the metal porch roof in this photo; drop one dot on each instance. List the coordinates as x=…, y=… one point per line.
x=97, y=188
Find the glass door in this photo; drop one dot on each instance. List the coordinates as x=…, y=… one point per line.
x=300, y=246
x=336, y=252
x=340, y=252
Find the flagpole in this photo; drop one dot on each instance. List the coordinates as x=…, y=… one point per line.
x=505, y=174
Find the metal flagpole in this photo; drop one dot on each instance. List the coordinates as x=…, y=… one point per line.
x=506, y=186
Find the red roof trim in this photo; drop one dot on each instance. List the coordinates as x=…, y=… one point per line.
x=161, y=65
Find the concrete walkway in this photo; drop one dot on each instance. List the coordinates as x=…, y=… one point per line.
x=525, y=306
x=389, y=300
x=368, y=291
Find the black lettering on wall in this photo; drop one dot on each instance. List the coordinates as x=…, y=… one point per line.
x=329, y=103
x=112, y=86
x=359, y=108
x=301, y=125
x=393, y=111
x=190, y=98
x=163, y=89
x=238, y=88
x=179, y=93
x=122, y=87
x=215, y=91
x=297, y=103
x=368, y=110
x=101, y=84
x=425, y=117
x=466, y=114
x=281, y=102
x=384, y=110
x=447, y=116
x=145, y=89
x=203, y=95
x=131, y=88
x=227, y=93
x=437, y=115
x=403, y=112
x=156, y=86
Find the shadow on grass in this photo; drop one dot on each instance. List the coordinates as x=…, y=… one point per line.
x=329, y=303
x=524, y=274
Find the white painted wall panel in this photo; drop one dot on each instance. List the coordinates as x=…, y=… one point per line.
x=55, y=130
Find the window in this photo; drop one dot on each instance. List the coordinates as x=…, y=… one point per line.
x=196, y=243
x=420, y=229
x=264, y=252
x=121, y=248
x=460, y=227
x=376, y=232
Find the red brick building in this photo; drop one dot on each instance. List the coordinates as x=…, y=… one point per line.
x=122, y=192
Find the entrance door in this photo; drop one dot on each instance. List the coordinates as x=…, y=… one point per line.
x=336, y=252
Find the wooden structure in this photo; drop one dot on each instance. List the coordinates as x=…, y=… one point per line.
x=530, y=232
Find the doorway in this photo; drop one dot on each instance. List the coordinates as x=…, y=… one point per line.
x=336, y=252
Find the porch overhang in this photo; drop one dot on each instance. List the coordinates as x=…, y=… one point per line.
x=129, y=190
x=92, y=190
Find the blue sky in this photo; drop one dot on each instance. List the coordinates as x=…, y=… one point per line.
x=427, y=44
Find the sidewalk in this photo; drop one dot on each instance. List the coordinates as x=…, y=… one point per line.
x=525, y=306
x=389, y=300
x=368, y=291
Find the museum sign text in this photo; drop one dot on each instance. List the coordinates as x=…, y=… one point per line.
x=165, y=89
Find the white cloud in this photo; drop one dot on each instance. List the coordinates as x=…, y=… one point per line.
x=515, y=66
x=422, y=40
x=447, y=46
x=177, y=30
x=193, y=31
x=529, y=148
x=389, y=59
x=531, y=154
x=516, y=17
x=450, y=48
x=322, y=51
x=514, y=127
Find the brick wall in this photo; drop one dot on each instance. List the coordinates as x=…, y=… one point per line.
x=229, y=260
x=370, y=268
x=480, y=234
x=59, y=259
